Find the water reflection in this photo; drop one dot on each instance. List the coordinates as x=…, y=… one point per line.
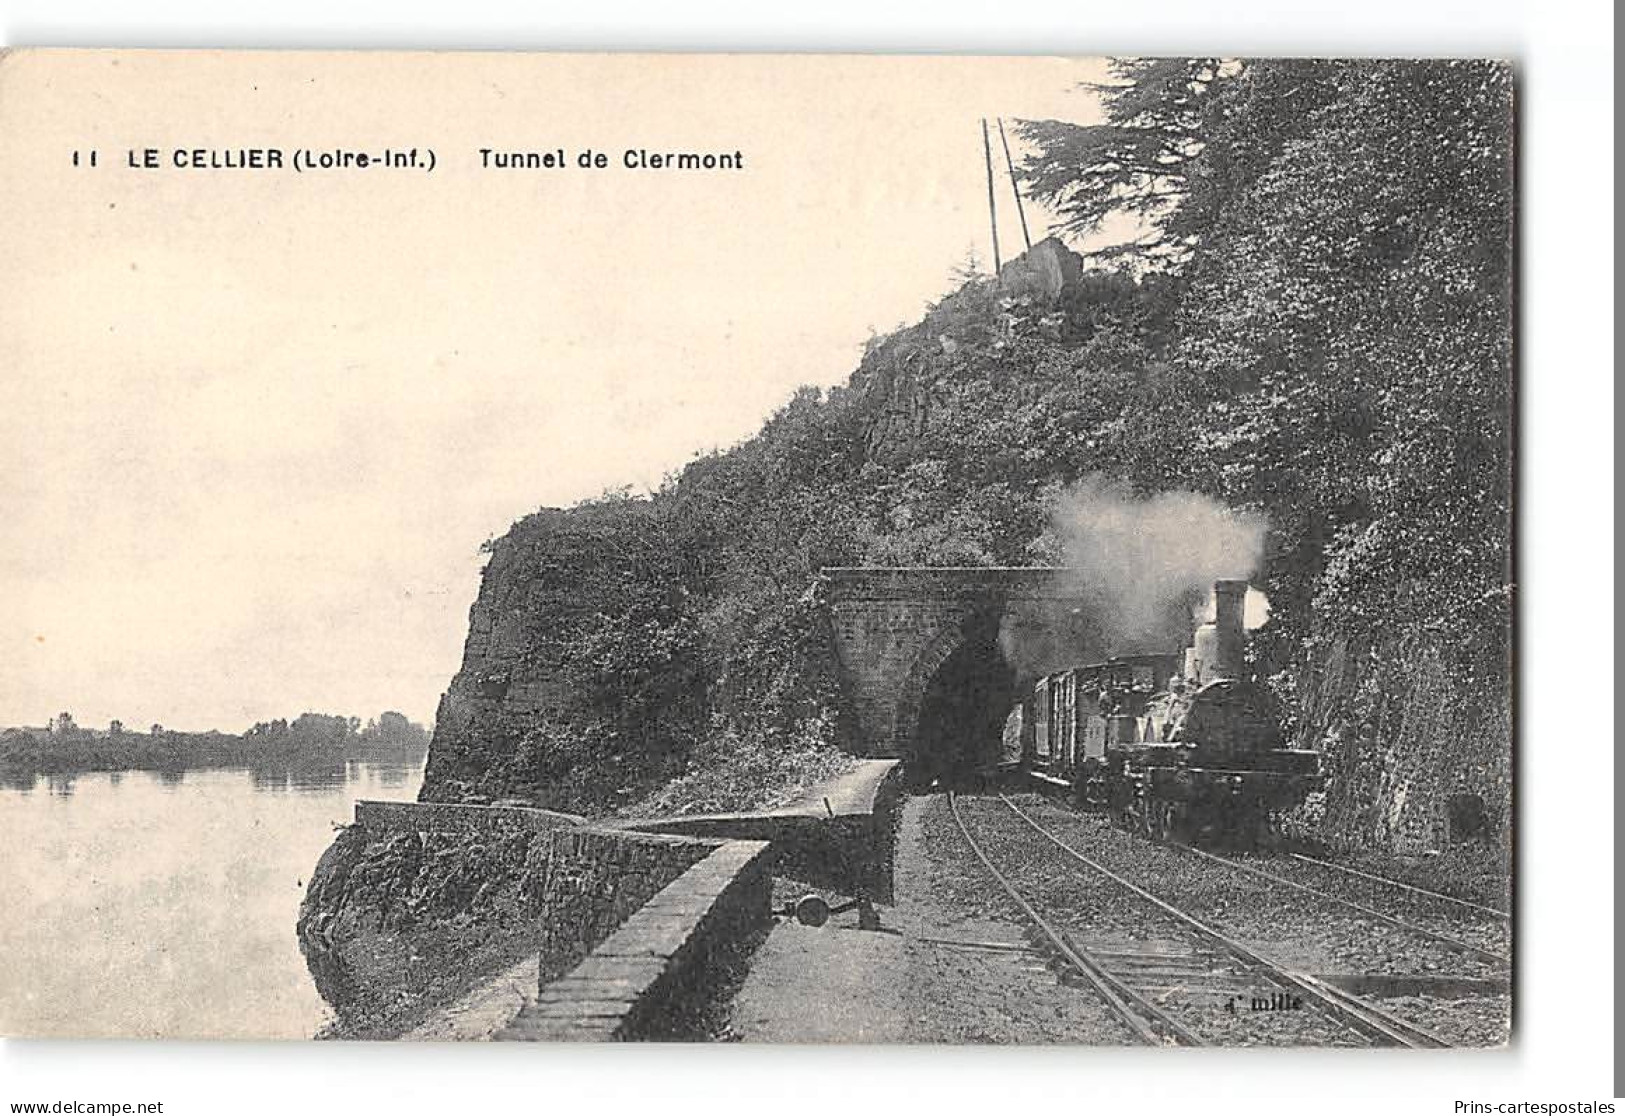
x=164, y=903
x=302, y=776
x=399, y=777
x=24, y=781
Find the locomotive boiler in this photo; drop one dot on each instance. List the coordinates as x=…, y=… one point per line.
x=1178, y=747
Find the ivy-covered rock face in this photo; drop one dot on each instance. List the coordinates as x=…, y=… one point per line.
x=1314, y=331
x=395, y=924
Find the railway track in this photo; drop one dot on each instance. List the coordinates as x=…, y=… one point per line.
x=1422, y=893
x=1148, y=1023
x=1195, y=985
x=1448, y=941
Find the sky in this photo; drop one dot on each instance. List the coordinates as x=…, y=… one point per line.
x=256, y=425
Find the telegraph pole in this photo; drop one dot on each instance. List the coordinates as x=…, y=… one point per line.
x=992, y=208
x=1014, y=189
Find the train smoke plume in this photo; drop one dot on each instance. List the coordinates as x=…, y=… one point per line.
x=1146, y=568
x=1148, y=564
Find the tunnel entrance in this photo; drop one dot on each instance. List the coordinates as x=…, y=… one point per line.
x=962, y=713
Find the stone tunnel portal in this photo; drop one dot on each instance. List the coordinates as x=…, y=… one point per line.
x=922, y=657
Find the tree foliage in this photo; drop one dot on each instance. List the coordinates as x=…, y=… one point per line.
x=1137, y=163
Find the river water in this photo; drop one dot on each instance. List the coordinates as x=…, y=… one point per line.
x=141, y=904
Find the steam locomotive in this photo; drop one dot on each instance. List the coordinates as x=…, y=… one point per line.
x=1180, y=748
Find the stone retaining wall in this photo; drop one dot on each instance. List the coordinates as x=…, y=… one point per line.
x=415, y=902
x=845, y=846
x=422, y=913
x=596, y=879
x=662, y=974
x=440, y=817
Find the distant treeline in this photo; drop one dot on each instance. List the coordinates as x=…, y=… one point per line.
x=63, y=747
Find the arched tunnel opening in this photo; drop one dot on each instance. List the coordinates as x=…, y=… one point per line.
x=962, y=714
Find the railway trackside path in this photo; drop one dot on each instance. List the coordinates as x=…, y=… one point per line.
x=952, y=964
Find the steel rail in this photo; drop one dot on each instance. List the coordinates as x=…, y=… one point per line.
x=1117, y=995
x=1369, y=912
x=1362, y=1016
x=1403, y=886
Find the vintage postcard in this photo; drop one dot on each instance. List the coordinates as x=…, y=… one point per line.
x=777, y=549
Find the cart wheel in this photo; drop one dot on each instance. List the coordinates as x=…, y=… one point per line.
x=811, y=910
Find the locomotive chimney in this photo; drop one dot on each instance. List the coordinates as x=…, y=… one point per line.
x=1220, y=644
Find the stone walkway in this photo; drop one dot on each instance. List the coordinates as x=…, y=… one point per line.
x=479, y=1015
x=950, y=966
x=851, y=793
